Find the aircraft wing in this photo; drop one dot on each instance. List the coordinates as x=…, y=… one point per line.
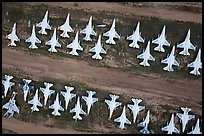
x=117, y=35
x=6, y=106
x=151, y=57
x=60, y=108
x=107, y=34
x=83, y=31
x=156, y=41
x=82, y=112
x=39, y=24
x=108, y=102
x=117, y=119
x=93, y=49
x=73, y=110
x=48, y=42
x=12, y=83
x=165, y=61
x=117, y=104
x=191, y=46
x=176, y=130
x=141, y=108
x=142, y=124
x=141, y=56
x=130, y=106
x=179, y=115
x=42, y=89
x=103, y=51
x=31, y=101
x=181, y=45
x=176, y=63
x=52, y=106
x=95, y=100
x=58, y=44
x=93, y=32
x=130, y=37
x=48, y=26
x=15, y=108
x=84, y=98
x=166, y=128
x=192, y=64
x=127, y=121
x=79, y=48
x=141, y=39
x=63, y=93
x=16, y=38
x=166, y=43
x=37, y=40
x=191, y=117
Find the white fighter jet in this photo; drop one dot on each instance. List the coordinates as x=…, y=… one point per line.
x=111, y=34
x=196, y=129
x=53, y=42
x=68, y=95
x=35, y=102
x=75, y=45
x=56, y=106
x=184, y=118
x=135, y=37
x=7, y=84
x=47, y=91
x=12, y=36
x=171, y=126
x=88, y=31
x=145, y=124
x=161, y=41
x=170, y=61
x=66, y=28
x=98, y=48
x=112, y=104
x=89, y=100
x=146, y=56
x=33, y=39
x=44, y=24
x=122, y=119
x=78, y=110
x=186, y=45
x=197, y=64
x=26, y=88
x=135, y=108
x=11, y=106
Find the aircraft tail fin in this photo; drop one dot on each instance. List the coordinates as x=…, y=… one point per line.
x=144, y=63
x=134, y=45
x=168, y=69
x=184, y=52
x=96, y=56
x=159, y=48
x=110, y=41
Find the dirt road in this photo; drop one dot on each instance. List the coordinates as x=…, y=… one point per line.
x=158, y=11
x=37, y=67
x=21, y=127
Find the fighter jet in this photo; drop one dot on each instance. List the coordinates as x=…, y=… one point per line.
x=66, y=28
x=89, y=100
x=98, y=48
x=44, y=24
x=56, y=106
x=35, y=102
x=68, y=95
x=186, y=45
x=75, y=45
x=196, y=129
x=7, y=84
x=170, y=61
x=12, y=36
x=145, y=124
x=112, y=104
x=171, y=126
x=47, y=91
x=33, y=39
x=122, y=119
x=26, y=88
x=146, y=56
x=161, y=41
x=135, y=37
x=78, y=110
x=88, y=31
x=196, y=64
x=112, y=34
x=135, y=108
x=11, y=106
x=53, y=42
x=184, y=118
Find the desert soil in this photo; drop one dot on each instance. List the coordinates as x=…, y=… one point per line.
x=151, y=89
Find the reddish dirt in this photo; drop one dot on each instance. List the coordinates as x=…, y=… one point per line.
x=37, y=67
x=21, y=127
x=158, y=11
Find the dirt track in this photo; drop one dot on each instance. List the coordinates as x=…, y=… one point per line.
x=30, y=128
x=158, y=11
x=37, y=67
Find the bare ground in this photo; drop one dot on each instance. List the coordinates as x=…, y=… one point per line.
x=155, y=91
x=157, y=11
